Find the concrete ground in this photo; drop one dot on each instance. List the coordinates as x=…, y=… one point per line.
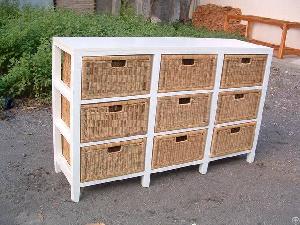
x=266, y=192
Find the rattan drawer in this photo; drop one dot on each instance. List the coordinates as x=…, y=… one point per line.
x=110, y=76
x=111, y=120
x=110, y=160
x=231, y=139
x=178, y=148
x=114, y=119
x=65, y=147
x=237, y=105
x=65, y=110
x=66, y=68
x=184, y=111
x=187, y=72
x=243, y=70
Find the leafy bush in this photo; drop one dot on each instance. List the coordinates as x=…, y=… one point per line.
x=26, y=35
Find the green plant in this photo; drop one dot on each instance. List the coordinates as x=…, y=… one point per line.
x=26, y=35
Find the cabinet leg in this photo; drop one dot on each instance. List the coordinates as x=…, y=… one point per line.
x=203, y=168
x=146, y=180
x=75, y=193
x=56, y=167
x=250, y=157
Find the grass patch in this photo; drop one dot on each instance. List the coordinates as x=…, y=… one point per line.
x=26, y=35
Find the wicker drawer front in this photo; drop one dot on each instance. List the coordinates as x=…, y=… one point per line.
x=178, y=148
x=65, y=110
x=182, y=111
x=114, y=119
x=111, y=160
x=109, y=76
x=243, y=70
x=231, y=139
x=187, y=72
x=66, y=68
x=237, y=105
x=65, y=149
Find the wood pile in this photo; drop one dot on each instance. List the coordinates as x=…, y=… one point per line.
x=76, y=5
x=212, y=17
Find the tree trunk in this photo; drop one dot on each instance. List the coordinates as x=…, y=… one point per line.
x=108, y=6
x=165, y=10
x=184, y=10
x=141, y=7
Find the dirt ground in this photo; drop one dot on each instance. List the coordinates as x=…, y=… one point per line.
x=266, y=192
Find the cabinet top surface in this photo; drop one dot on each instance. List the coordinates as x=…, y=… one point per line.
x=151, y=43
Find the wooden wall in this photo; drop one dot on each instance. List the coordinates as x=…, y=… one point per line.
x=77, y=5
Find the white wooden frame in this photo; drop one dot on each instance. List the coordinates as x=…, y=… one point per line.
x=73, y=94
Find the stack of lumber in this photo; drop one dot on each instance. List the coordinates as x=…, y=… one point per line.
x=76, y=5
x=212, y=17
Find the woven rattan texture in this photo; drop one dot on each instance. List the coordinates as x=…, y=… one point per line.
x=114, y=119
x=243, y=70
x=110, y=76
x=65, y=149
x=66, y=68
x=65, y=110
x=231, y=139
x=184, y=111
x=178, y=148
x=187, y=72
x=237, y=105
x=111, y=160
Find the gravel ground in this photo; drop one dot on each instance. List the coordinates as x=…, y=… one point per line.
x=266, y=192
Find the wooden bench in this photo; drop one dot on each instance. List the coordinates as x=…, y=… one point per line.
x=284, y=25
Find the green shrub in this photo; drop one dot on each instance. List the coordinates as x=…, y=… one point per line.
x=26, y=35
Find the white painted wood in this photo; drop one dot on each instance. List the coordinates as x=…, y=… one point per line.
x=184, y=93
x=85, y=184
x=79, y=47
x=235, y=123
x=213, y=110
x=251, y=155
x=203, y=168
x=76, y=66
x=115, y=140
x=58, y=42
x=62, y=128
x=65, y=168
x=229, y=155
x=242, y=89
x=191, y=50
x=151, y=119
x=179, y=131
x=113, y=99
x=163, y=169
x=56, y=106
x=155, y=43
x=62, y=88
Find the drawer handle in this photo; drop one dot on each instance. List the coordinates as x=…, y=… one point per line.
x=118, y=63
x=181, y=138
x=246, y=60
x=235, y=130
x=114, y=149
x=238, y=96
x=183, y=101
x=115, y=108
x=188, y=62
